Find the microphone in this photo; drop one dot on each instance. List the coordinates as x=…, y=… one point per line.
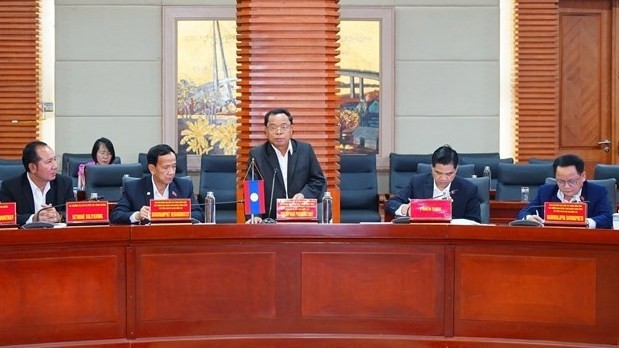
x=269, y=219
x=444, y=194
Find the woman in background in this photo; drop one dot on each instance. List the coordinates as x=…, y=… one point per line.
x=102, y=153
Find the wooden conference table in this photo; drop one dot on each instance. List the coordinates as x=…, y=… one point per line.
x=309, y=285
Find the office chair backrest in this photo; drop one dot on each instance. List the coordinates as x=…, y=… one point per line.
x=402, y=167
x=464, y=170
x=358, y=188
x=5, y=161
x=218, y=174
x=483, y=194
x=71, y=164
x=8, y=171
x=107, y=181
x=512, y=177
x=181, y=164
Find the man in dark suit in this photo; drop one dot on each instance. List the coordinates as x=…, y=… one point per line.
x=40, y=193
x=134, y=204
x=571, y=186
x=440, y=182
x=289, y=164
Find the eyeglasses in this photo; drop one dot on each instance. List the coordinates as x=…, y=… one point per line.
x=273, y=128
x=104, y=153
x=571, y=182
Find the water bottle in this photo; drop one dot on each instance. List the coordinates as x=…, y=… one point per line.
x=209, y=208
x=327, y=208
x=488, y=173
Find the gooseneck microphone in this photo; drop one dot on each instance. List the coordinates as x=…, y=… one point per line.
x=269, y=219
x=41, y=224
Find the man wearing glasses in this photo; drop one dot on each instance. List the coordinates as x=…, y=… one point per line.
x=288, y=167
x=571, y=186
x=442, y=182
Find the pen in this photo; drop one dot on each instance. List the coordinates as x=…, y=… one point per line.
x=536, y=212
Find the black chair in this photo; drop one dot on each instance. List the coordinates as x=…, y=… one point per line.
x=71, y=164
x=218, y=174
x=610, y=184
x=358, y=189
x=512, y=177
x=8, y=171
x=402, y=167
x=107, y=181
x=483, y=194
x=181, y=164
x=483, y=159
x=5, y=161
x=607, y=171
x=464, y=170
x=534, y=160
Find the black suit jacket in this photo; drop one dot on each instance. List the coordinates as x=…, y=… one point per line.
x=596, y=196
x=138, y=193
x=465, y=203
x=18, y=190
x=304, y=173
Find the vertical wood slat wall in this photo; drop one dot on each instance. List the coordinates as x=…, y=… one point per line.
x=287, y=57
x=19, y=75
x=537, y=78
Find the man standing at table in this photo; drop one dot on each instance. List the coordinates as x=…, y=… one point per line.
x=134, y=204
x=289, y=167
x=441, y=182
x=40, y=193
x=571, y=186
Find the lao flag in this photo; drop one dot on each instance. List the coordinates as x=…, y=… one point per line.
x=253, y=191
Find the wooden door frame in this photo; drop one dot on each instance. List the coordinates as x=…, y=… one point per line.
x=537, y=113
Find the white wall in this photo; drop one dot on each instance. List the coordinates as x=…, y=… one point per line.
x=108, y=74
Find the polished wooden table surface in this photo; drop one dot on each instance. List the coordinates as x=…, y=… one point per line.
x=302, y=285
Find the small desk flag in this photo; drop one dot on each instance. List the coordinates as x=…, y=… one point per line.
x=253, y=192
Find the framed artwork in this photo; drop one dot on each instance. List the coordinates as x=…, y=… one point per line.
x=199, y=81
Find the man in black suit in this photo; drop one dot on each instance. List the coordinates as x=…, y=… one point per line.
x=441, y=182
x=40, y=193
x=134, y=204
x=289, y=164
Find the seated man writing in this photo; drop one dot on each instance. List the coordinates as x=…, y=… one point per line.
x=571, y=186
x=441, y=182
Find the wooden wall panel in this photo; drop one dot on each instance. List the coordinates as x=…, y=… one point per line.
x=287, y=57
x=519, y=293
x=54, y=295
x=19, y=75
x=537, y=78
x=391, y=285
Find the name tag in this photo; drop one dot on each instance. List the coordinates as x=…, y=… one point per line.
x=297, y=209
x=8, y=215
x=430, y=210
x=558, y=213
x=170, y=210
x=87, y=212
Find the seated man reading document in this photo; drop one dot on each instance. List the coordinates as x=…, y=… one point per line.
x=289, y=167
x=134, y=204
x=571, y=186
x=40, y=193
x=442, y=182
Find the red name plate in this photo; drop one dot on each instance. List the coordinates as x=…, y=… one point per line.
x=297, y=209
x=430, y=209
x=7, y=214
x=87, y=212
x=162, y=210
x=557, y=213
